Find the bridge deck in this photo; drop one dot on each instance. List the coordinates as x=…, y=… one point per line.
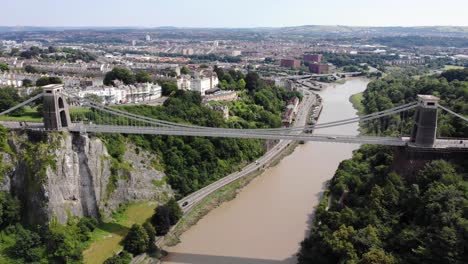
x=387, y=141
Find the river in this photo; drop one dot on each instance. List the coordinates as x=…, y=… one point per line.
x=269, y=218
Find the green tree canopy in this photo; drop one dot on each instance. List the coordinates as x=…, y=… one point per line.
x=27, y=83
x=161, y=220
x=122, y=74
x=175, y=212
x=9, y=98
x=43, y=81
x=168, y=87
x=143, y=77
x=9, y=209
x=136, y=241
x=122, y=258
x=30, y=69
x=4, y=67
x=185, y=70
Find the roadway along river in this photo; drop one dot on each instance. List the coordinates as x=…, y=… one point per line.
x=268, y=219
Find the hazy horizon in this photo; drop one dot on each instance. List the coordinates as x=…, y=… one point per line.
x=253, y=27
x=239, y=14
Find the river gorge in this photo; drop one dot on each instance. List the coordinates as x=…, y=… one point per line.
x=269, y=218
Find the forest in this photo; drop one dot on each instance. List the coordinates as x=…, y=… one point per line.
x=191, y=163
x=451, y=86
x=370, y=214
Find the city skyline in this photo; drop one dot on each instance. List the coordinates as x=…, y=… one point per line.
x=241, y=14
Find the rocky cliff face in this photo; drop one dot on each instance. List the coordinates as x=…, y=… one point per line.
x=61, y=175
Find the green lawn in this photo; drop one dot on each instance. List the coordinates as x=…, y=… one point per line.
x=30, y=115
x=106, y=238
x=453, y=67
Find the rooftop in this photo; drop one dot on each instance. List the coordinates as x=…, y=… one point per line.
x=428, y=97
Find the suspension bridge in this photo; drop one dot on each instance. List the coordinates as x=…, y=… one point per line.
x=105, y=119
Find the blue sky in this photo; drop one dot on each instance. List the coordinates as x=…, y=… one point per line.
x=233, y=13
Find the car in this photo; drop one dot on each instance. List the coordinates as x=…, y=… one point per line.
x=185, y=204
x=331, y=137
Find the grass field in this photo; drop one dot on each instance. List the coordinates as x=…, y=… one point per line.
x=452, y=67
x=30, y=115
x=106, y=238
x=356, y=100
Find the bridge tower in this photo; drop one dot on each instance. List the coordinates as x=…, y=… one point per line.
x=56, y=114
x=425, y=121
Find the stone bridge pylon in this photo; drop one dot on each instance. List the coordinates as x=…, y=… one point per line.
x=56, y=112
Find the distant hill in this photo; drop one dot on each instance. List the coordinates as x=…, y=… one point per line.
x=306, y=29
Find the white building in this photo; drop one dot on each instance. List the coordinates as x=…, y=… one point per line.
x=124, y=94
x=148, y=38
x=201, y=82
x=200, y=85
x=187, y=52
x=236, y=53
x=184, y=82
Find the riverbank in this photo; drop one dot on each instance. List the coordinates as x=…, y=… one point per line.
x=272, y=214
x=105, y=240
x=356, y=100
x=214, y=200
x=229, y=191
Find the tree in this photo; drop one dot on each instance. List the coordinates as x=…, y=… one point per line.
x=252, y=81
x=122, y=258
x=8, y=98
x=168, y=88
x=185, y=70
x=4, y=67
x=52, y=49
x=241, y=84
x=30, y=69
x=377, y=256
x=161, y=220
x=175, y=212
x=27, y=83
x=43, y=81
x=9, y=209
x=55, y=80
x=86, y=225
x=143, y=77
x=136, y=241
x=122, y=74
x=151, y=235
x=438, y=170
x=219, y=72
x=28, y=245
x=62, y=243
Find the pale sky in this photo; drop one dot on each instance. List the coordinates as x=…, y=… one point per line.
x=233, y=13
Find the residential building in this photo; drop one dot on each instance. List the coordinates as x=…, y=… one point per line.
x=290, y=63
x=201, y=82
x=124, y=94
x=319, y=68
x=236, y=53
x=313, y=57
x=291, y=111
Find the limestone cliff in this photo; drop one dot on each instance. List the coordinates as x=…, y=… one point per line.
x=62, y=174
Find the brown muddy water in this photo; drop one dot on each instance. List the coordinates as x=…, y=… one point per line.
x=269, y=218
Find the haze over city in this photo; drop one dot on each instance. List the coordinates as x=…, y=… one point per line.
x=234, y=14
